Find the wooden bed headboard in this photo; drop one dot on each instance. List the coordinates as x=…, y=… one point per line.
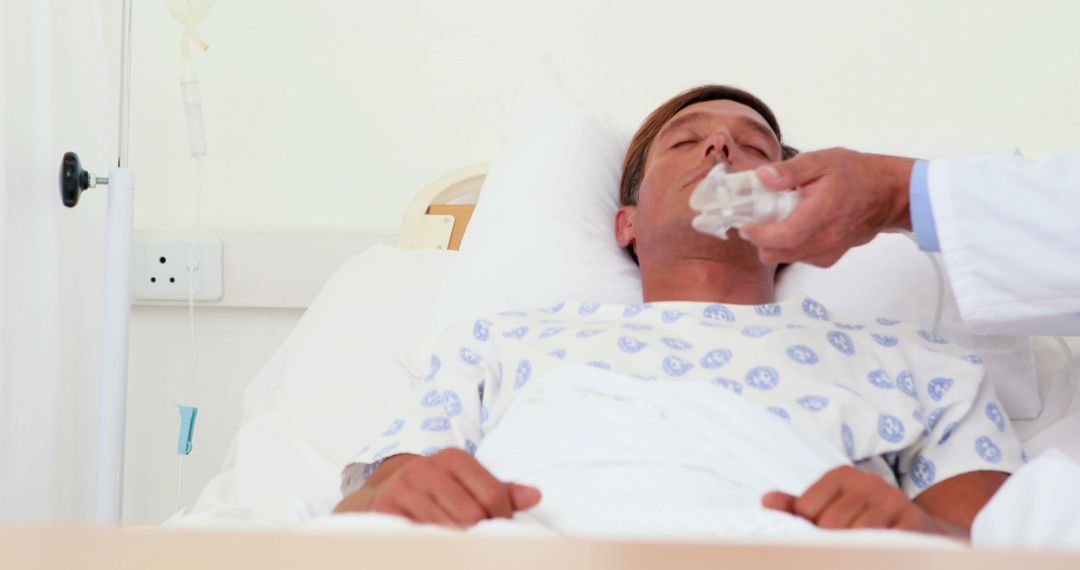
x=431, y=221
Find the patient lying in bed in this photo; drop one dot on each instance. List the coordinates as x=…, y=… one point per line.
x=904, y=429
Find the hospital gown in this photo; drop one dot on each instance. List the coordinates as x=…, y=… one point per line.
x=897, y=400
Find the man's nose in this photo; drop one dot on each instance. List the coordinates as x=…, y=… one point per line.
x=719, y=147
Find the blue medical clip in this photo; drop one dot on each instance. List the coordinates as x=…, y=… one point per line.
x=187, y=428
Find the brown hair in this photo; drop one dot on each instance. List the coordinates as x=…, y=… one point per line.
x=634, y=161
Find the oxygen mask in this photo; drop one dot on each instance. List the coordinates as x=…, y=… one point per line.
x=725, y=201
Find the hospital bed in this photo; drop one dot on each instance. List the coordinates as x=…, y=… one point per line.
x=290, y=420
x=542, y=211
x=288, y=448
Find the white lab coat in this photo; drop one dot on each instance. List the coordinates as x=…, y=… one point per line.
x=1009, y=230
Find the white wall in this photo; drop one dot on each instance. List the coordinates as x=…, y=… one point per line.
x=233, y=345
x=329, y=115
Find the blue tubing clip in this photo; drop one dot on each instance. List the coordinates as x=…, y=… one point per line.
x=187, y=429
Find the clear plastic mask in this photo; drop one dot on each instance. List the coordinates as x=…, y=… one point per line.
x=725, y=201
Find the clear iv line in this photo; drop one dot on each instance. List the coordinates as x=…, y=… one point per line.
x=941, y=290
x=940, y=306
x=1072, y=378
x=189, y=86
x=179, y=480
x=191, y=318
x=191, y=283
x=189, y=14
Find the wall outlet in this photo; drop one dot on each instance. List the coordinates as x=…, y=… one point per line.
x=159, y=270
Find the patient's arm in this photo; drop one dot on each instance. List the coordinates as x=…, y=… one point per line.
x=958, y=499
x=849, y=498
x=449, y=488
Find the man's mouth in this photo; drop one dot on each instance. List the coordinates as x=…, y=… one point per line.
x=699, y=177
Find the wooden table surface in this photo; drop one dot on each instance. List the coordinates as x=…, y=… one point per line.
x=94, y=548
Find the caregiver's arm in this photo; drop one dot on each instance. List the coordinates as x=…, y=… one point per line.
x=450, y=488
x=849, y=498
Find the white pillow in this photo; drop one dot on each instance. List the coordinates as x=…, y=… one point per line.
x=331, y=380
x=543, y=232
x=354, y=340
x=544, y=228
x=890, y=277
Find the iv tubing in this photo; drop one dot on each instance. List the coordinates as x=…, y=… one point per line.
x=191, y=320
x=191, y=285
x=940, y=307
x=1072, y=380
x=179, y=480
x=940, y=292
x=189, y=84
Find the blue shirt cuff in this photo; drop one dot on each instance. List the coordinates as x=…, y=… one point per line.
x=922, y=215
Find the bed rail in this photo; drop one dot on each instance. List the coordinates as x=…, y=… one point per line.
x=432, y=221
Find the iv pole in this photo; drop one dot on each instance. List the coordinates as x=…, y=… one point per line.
x=117, y=306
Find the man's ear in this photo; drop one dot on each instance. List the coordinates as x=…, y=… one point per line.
x=624, y=226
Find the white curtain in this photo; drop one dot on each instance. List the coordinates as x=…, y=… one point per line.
x=59, y=63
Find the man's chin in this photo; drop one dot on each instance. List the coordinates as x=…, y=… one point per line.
x=683, y=240
x=731, y=238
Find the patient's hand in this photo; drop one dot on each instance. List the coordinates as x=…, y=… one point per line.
x=449, y=488
x=849, y=498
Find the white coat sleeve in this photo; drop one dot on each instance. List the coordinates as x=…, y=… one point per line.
x=1009, y=229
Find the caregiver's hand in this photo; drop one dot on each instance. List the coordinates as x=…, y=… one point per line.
x=449, y=488
x=847, y=197
x=849, y=498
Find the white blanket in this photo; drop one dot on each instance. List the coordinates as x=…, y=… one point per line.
x=618, y=458
x=1038, y=507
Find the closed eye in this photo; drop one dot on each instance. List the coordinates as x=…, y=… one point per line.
x=684, y=143
x=757, y=150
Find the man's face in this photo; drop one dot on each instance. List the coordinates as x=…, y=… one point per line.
x=682, y=153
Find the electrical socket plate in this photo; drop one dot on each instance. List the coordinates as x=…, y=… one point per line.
x=159, y=269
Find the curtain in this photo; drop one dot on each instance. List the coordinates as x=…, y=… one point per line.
x=59, y=66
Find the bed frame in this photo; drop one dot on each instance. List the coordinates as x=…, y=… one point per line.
x=101, y=549
x=437, y=216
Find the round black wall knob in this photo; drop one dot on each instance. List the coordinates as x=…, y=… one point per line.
x=73, y=179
